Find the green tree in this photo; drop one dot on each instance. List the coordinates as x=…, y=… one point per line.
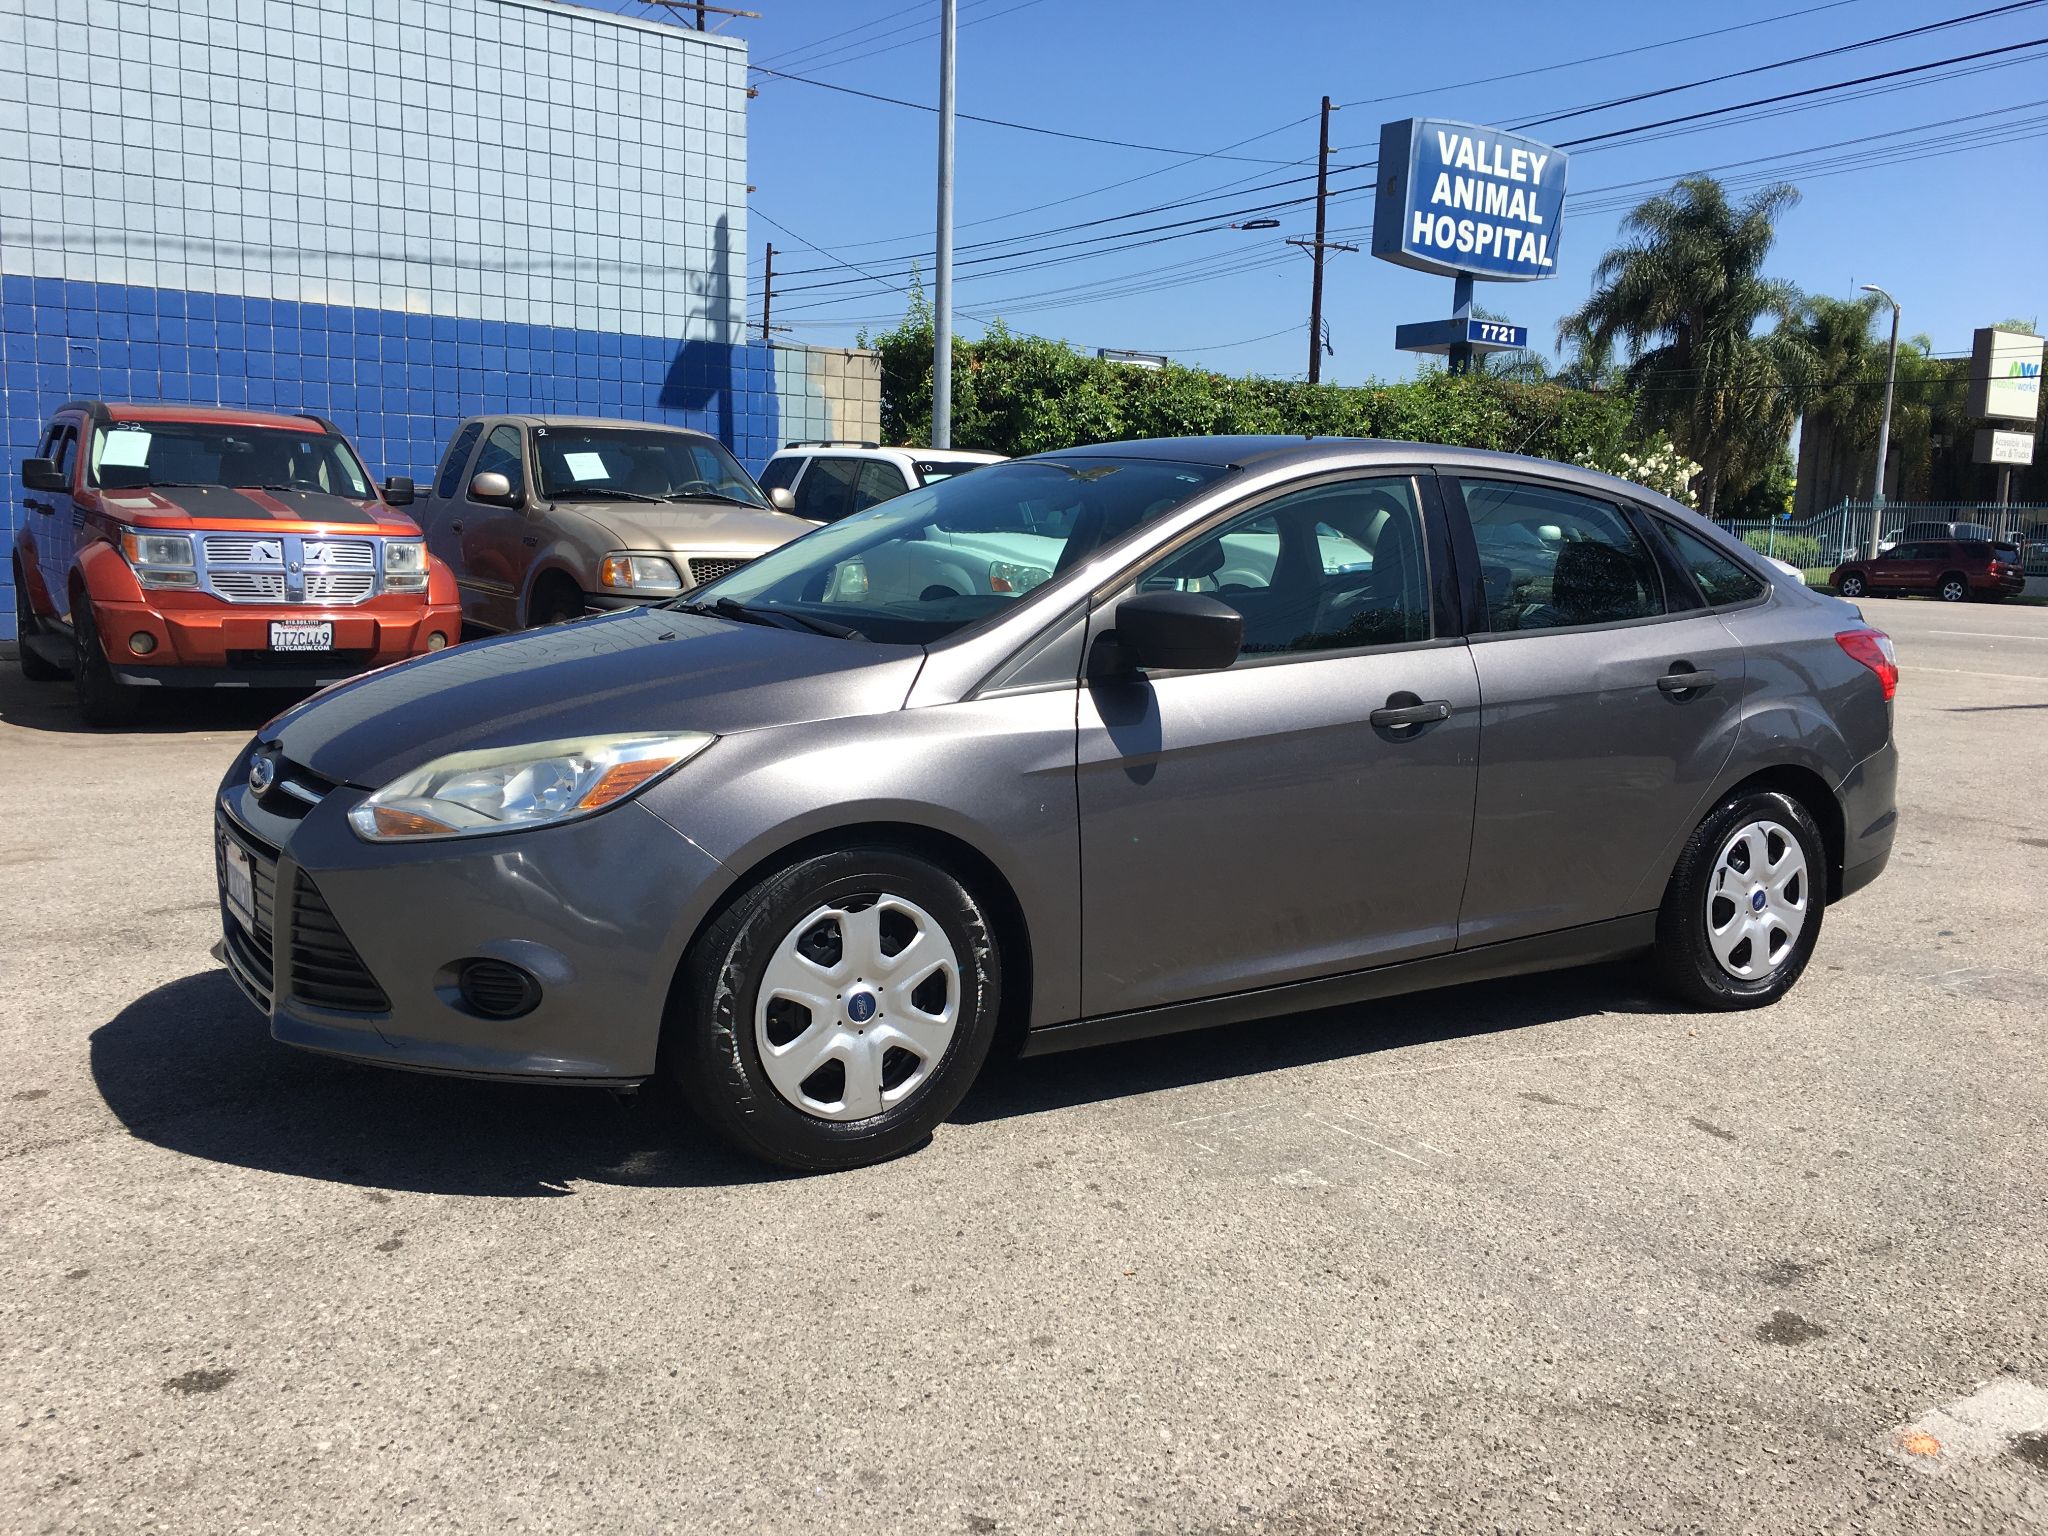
x=1685, y=294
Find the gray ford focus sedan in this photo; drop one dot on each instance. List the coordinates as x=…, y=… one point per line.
x=1101, y=744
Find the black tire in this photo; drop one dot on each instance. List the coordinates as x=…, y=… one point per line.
x=1853, y=585
x=101, y=697
x=1954, y=588
x=554, y=604
x=35, y=667
x=1684, y=955
x=709, y=1050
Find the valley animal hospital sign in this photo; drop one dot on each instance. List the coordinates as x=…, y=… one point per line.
x=1459, y=199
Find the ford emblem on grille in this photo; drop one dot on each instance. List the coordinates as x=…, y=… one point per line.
x=262, y=772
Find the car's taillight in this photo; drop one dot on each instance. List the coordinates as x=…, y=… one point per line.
x=1873, y=647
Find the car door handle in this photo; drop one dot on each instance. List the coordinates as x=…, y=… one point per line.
x=1683, y=679
x=38, y=506
x=1396, y=717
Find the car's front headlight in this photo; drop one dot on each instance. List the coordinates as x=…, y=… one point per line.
x=1007, y=576
x=159, y=559
x=405, y=565
x=639, y=573
x=503, y=789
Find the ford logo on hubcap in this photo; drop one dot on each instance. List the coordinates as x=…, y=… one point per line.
x=262, y=773
x=1756, y=901
x=861, y=1007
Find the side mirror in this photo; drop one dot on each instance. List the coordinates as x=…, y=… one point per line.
x=1178, y=631
x=42, y=475
x=781, y=499
x=398, y=490
x=492, y=486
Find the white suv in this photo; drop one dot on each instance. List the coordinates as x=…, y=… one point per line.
x=829, y=479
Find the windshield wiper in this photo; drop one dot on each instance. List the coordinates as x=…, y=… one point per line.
x=774, y=618
x=582, y=492
x=737, y=501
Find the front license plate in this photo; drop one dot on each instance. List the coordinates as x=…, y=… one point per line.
x=301, y=635
x=238, y=885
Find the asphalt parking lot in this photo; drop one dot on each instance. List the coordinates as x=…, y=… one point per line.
x=1531, y=1256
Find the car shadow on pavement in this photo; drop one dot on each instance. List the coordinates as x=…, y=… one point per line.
x=191, y=1067
x=53, y=707
x=1040, y=1083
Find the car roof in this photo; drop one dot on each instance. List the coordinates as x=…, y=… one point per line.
x=879, y=450
x=524, y=420
x=1275, y=451
x=230, y=416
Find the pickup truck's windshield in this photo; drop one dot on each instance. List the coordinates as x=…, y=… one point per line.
x=918, y=567
x=127, y=455
x=626, y=462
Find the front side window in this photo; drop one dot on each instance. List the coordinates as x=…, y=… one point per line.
x=129, y=455
x=576, y=463
x=458, y=455
x=917, y=568
x=825, y=494
x=1721, y=581
x=1331, y=568
x=1553, y=559
x=501, y=455
x=779, y=473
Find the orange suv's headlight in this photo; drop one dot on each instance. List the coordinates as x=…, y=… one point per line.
x=159, y=559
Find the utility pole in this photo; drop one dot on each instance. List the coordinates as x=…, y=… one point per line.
x=942, y=287
x=1315, y=300
x=1884, y=426
x=767, y=292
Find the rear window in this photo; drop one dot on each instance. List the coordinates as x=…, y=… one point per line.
x=2005, y=551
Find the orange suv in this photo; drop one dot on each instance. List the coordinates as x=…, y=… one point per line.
x=185, y=546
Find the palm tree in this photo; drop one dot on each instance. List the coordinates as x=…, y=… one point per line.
x=1684, y=295
x=1841, y=396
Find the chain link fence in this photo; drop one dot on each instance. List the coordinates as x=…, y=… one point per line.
x=1843, y=531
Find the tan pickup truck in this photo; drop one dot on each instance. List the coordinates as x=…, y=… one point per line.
x=546, y=518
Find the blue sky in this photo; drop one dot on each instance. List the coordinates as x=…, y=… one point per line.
x=1958, y=237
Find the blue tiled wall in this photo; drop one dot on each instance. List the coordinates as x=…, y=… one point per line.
x=396, y=383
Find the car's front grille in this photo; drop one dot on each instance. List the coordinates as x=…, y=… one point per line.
x=326, y=971
x=249, y=949
x=290, y=568
x=702, y=571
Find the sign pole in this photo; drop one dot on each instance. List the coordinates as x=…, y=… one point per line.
x=942, y=284
x=1461, y=311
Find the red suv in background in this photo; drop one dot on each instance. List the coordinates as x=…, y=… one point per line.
x=186, y=546
x=1953, y=570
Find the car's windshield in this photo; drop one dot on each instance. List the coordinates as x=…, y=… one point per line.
x=626, y=461
x=127, y=455
x=920, y=566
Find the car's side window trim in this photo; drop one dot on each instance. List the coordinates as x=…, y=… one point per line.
x=1481, y=629
x=1435, y=555
x=1667, y=551
x=460, y=454
x=1678, y=580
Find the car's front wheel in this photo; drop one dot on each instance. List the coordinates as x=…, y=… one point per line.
x=1743, y=909
x=1853, y=585
x=837, y=1010
x=101, y=697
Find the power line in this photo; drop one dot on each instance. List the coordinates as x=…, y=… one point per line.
x=840, y=57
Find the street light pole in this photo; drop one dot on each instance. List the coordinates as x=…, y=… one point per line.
x=942, y=288
x=1884, y=427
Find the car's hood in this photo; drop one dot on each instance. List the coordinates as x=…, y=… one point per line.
x=688, y=526
x=649, y=670
x=159, y=506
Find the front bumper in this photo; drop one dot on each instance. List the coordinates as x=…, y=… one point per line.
x=213, y=644
x=354, y=946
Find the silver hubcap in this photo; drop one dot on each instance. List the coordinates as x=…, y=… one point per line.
x=1952, y=590
x=857, y=1007
x=1853, y=586
x=1756, y=900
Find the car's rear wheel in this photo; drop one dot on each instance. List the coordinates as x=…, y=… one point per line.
x=1853, y=585
x=35, y=666
x=837, y=1011
x=1953, y=589
x=1743, y=909
x=101, y=698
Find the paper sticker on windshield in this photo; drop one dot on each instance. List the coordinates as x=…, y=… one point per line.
x=586, y=466
x=124, y=447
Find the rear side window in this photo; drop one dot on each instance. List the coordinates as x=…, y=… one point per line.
x=780, y=472
x=879, y=481
x=1553, y=559
x=825, y=494
x=501, y=454
x=1721, y=580
x=458, y=455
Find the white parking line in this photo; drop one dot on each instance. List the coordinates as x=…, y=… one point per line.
x=1986, y=634
x=2017, y=677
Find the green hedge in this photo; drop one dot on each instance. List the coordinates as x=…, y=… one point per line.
x=1024, y=394
x=1800, y=549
